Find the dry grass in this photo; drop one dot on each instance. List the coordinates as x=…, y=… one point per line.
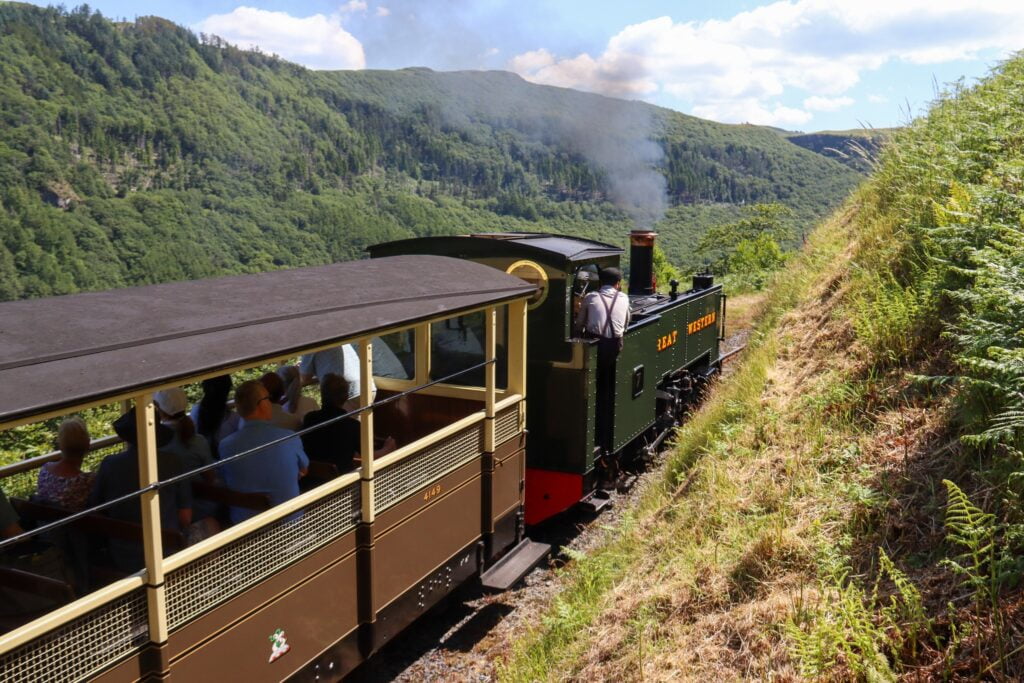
x=782, y=490
x=717, y=558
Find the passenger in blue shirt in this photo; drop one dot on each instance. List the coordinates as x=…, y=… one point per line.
x=275, y=470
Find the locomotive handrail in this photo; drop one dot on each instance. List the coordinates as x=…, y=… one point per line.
x=648, y=320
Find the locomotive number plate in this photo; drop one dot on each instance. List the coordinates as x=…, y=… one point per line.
x=667, y=340
x=700, y=323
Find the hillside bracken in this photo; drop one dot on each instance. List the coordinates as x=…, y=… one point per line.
x=846, y=505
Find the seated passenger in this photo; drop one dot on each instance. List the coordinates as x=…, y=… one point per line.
x=274, y=385
x=341, y=360
x=193, y=451
x=275, y=470
x=212, y=417
x=63, y=483
x=118, y=475
x=294, y=401
x=338, y=442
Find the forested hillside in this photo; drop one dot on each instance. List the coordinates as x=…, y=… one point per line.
x=855, y=148
x=139, y=152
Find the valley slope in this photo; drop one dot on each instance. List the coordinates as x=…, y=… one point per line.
x=137, y=152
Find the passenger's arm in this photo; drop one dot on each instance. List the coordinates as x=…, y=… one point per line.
x=205, y=458
x=184, y=518
x=389, y=445
x=303, y=463
x=307, y=373
x=10, y=530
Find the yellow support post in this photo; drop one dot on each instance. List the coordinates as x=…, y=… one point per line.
x=517, y=347
x=366, y=428
x=422, y=356
x=145, y=425
x=490, y=374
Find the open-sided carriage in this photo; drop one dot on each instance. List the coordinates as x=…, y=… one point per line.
x=308, y=588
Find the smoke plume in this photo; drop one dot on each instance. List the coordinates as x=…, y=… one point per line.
x=613, y=135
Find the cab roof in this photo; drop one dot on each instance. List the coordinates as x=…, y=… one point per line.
x=557, y=247
x=63, y=351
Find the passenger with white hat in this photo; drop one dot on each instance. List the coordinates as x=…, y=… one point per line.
x=192, y=451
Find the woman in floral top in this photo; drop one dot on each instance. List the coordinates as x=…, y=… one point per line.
x=63, y=483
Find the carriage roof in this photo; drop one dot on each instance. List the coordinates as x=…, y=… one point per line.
x=563, y=248
x=63, y=351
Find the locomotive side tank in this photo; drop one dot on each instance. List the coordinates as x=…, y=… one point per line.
x=671, y=346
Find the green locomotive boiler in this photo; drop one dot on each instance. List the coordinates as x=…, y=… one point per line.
x=671, y=347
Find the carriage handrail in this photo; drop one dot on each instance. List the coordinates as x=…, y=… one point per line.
x=38, y=461
x=238, y=456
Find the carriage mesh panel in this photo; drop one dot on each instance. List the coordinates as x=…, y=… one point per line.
x=205, y=583
x=506, y=424
x=80, y=648
x=405, y=477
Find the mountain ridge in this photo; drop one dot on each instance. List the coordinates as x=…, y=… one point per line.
x=138, y=152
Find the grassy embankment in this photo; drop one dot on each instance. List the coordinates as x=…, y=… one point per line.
x=816, y=517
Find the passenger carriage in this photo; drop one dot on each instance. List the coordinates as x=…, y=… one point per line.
x=311, y=587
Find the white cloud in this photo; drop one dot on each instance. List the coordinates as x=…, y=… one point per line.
x=877, y=99
x=317, y=41
x=818, y=49
x=354, y=6
x=819, y=103
x=750, y=110
x=383, y=11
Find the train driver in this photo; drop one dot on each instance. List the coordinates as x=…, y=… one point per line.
x=604, y=316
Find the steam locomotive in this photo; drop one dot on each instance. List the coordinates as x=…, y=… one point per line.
x=671, y=348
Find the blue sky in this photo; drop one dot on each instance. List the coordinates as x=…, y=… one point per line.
x=796, y=64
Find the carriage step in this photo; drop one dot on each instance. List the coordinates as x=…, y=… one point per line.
x=596, y=501
x=516, y=564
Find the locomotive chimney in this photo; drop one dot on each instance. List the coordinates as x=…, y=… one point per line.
x=641, y=262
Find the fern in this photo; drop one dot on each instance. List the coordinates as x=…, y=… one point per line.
x=905, y=612
x=843, y=630
x=973, y=530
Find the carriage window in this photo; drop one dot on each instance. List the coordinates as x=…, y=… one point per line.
x=394, y=355
x=458, y=343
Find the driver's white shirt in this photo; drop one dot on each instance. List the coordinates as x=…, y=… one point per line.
x=595, y=308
